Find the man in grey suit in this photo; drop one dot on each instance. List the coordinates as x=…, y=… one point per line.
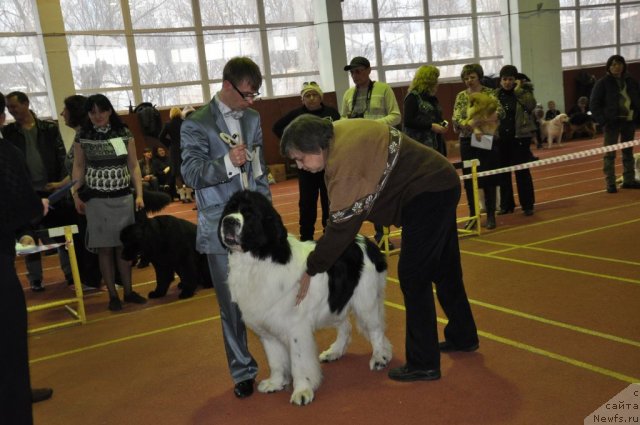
x=222, y=154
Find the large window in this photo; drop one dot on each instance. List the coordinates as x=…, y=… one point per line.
x=149, y=50
x=593, y=30
x=450, y=34
x=21, y=54
x=171, y=52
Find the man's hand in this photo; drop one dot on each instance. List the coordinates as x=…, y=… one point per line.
x=238, y=155
x=305, y=281
x=437, y=128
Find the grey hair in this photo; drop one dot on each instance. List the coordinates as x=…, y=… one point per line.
x=307, y=134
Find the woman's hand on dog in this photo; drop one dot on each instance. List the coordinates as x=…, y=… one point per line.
x=305, y=281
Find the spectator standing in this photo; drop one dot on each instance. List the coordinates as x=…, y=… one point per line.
x=472, y=75
x=310, y=185
x=104, y=168
x=515, y=133
x=41, y=144
x=75, y=116
x=216, y=170
x=373, y=100
x=422, y=113
x=615, y=103
x=538, y=116
x=170, y=138
x=16, y=395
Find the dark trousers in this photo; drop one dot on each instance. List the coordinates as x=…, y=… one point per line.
x=489, y=198
x=88, y=265
x=514, y=151
x=311, y=185
x=625, y=130
x=430, y=254
x=489, y=159
x=15, y=387
x=61, y=214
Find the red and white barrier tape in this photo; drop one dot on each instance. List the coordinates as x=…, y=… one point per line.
x=555, y=159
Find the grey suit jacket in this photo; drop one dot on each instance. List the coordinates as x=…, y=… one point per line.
x=203, y=168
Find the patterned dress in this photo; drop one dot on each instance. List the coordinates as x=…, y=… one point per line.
x=107, y=173
x=107, y=186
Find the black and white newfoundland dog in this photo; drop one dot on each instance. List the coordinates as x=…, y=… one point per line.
x=265, y=266
x=169, y=244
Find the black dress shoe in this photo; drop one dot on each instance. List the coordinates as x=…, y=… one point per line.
x=491, y=221
x=503, y=211
x=244, y=389
x=405, y=374
x=41, y=394
x=631, y=185
x=528, y=212
x=36, y=286
x=612, y=188
x=449, y=347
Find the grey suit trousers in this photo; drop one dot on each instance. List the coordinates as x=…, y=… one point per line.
x=241, y=364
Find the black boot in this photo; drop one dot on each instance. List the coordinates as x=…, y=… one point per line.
x=491, y=220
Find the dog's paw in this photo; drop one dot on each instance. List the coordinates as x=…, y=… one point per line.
x=156, y=294
x=271, y=385
x=186, y=294
x=329, y=356
x=378, y=363
x=302, y=397
x=381, y=357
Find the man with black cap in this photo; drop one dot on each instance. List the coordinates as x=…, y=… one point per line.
x=310, y=184
x=369, y=99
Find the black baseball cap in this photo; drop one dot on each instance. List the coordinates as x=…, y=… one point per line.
x=357, y=62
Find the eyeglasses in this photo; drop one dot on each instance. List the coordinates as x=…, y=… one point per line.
x=246, y=96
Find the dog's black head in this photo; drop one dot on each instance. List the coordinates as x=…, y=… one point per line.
x=249, y=223
x=131, y=237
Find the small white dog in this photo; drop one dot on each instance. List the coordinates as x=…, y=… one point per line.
x=553, y=129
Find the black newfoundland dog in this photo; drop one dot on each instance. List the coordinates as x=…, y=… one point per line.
x=265, y=266
x=169, y=244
